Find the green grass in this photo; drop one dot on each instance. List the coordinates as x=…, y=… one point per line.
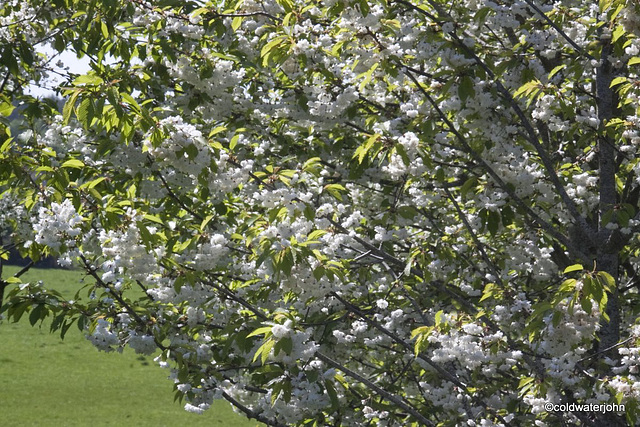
x=45, y=381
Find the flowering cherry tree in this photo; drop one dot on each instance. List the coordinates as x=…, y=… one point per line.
x=342, y=212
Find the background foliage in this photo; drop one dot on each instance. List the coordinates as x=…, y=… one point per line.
x=45, y=380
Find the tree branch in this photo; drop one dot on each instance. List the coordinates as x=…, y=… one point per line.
x=535, y=217
x=385, y=394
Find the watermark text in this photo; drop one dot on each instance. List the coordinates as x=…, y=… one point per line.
x=602, y=408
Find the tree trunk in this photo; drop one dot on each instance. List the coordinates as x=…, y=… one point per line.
x=607, y=258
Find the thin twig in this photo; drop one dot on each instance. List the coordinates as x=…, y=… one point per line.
x=390, y=397
x=535, y=217
x=474, y=236
x=177, y=199
x=249, y=413
x=558, y=29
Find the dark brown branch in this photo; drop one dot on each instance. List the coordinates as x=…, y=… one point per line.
x=177, y=199
x=249, y=413
x=558, y=29
x=4, y=283
x=532, y=137
x=467, y=147
x=93, y=273
x=444, y=373
x=385, y=394
x=479, y=245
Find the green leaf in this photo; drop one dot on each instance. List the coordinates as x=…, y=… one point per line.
x=131, y=101
x=69, y=106
x=438, y=317
x=236, y=23
x=333, y=395
x=618, y=80
x=362, y=151
x=234, y=141
x=466, y=88
x=422, y=334
x=399, y=149
x=617, y=33
x=88, y=79
x=65, y=327
x=73, y=163
x=490, y=290
x=633, y=61
x=467, y=186
x=571, y=268
x=316, y=234
x=105, y=29
x=287, y=5
x=265, y=330
x=481, y=15
x=93, y=183
x=524, y=381
x=318, y=272
x=286, y=261
x=368, y=75
x=335, y=190
x=493, y=222
x=264, y=351
x=606, y=280
x=556, y=70
x=527, y=88
x=6, y=108
x=9, y=59
x=217, y=130
x=84, y=112
x=276, y=390
x=153, y=218
x=37, y=313
x=556, y=318
x=419, y=331
x=267, y=48
x=407, y=212
x=568, y=286
x=603, y=5
x=286, y=344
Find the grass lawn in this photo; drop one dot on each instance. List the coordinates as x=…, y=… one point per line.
x=45, y=381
